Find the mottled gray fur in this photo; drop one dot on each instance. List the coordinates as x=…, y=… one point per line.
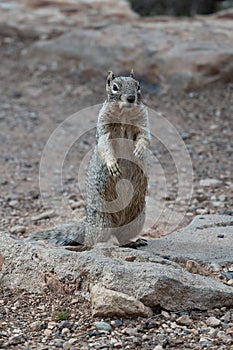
x=117, y=176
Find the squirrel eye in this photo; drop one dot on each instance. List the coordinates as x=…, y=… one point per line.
x=115, y=87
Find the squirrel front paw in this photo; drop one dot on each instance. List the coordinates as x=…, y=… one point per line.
x=139, y=150
x=113, y=168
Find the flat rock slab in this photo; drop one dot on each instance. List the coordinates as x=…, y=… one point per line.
x=140, y=277
x=209, y=238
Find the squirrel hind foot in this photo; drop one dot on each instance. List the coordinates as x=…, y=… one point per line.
x=140, y=242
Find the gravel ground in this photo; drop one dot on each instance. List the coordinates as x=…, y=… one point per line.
x=34, y=100
x=32, y=321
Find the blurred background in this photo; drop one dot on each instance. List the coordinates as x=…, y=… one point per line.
x=54, y=58
x=179, y=8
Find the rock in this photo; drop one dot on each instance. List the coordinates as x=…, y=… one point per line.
x=65, y=331
x=228, y=275
x=184, y=320
x=16, y=339
x=17, y=229
x=162, y=339
x=90, y=32
x=198, y=241
x=165, y=314
x=36, y=325
x=158, y=347
x=130, y=331
x=46, y=215
x=47, y=332
x=215, y=267
x=116, y=323
x=201, y=211
x=230, y=331
x=175, y=52
x=46, y=20
x=148, y=282
x=213, y=332
x=106, y=302
x=213, y=321
x=64, y=324
x=205, y=342
x=66, y=345
x=104, y=326
x=117, y=343
x=210, y=183
x=52, y=325
x=222, y=197
x=14, y=203
x=227, y=316
x=194, y=267
x=225, y=337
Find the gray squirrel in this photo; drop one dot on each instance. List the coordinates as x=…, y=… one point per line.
x=117, y=175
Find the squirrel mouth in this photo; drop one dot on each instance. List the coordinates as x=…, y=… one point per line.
x=126, y=104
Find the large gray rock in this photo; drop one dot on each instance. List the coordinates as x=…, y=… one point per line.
x=209, y=239
x=33, y=19
x=178, y=51
x=143, y=275
x=99, y=35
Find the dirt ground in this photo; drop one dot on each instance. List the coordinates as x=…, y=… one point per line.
x=35, y=100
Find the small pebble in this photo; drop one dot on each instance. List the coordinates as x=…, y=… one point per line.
x=46, y=215
x=36, y=325
x=184, y=320
x=65, y=331
x=104, y=326
x=116, y=323
x=14, y=203
x=158, y=347
x=213, y=321
x=64, y=324
x=17, y=229
x=213, y=332
x=210, y=183
x=226, y=317
x=16, y=339
x=47, y=332
x=130, y=331
x=224, y=337
x=205, y=342
x=165, y=314
x=66, y=345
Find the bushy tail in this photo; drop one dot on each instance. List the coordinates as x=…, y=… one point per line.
x=72, y=234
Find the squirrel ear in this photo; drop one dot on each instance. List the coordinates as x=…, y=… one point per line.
x=110, y=77
x=132, y=73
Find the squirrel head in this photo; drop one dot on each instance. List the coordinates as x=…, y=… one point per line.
x=123, y=90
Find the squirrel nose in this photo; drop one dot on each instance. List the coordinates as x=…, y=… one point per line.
x=131, y=98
